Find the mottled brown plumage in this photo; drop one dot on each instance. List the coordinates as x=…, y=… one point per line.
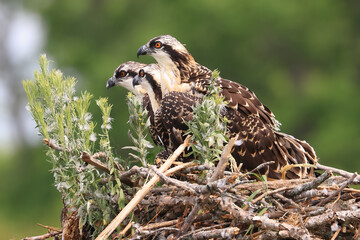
x=176, y=109
x=253, y=121
x=239, y=98
x=262, y=144
x=149, y=79
x=258, y=141
x=172, y=108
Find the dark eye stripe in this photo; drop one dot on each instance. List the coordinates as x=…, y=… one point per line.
x=132, y=73
x=174, y=55
x=152, y=43
x=154, y=85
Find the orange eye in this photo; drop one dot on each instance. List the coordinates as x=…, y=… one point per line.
x=158, y=45
x=122, y=73
x=141, y=73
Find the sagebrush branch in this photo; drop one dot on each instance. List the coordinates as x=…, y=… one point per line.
x=93, y=161
x=54, y=146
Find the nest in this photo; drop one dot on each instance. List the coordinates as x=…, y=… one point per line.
x=225, y=205
x=202, y=202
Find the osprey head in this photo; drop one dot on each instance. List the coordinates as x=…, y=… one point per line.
x=124, y=75
x=166, y=50
x=148, y=77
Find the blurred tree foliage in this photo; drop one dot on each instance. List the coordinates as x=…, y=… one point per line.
x=301, y=58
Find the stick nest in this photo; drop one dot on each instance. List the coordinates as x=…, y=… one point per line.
x=186, y=207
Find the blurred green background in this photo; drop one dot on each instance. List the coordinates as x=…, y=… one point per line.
x=302, y=59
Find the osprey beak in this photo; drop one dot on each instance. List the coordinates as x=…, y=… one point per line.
x=110, y=83
x=136, y=80
x=143, y=50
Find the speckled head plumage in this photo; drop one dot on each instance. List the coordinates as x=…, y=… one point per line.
x=149, y=79
x=124, y=75
x=177, y=64
x=165, y=49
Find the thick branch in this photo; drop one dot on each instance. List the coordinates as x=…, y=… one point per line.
x=222, y=233
x=93, y=161
x=307, y=186
x=345, y=184
x=331, y=216
x=220, y=168
x=338, y=171
x=45, y=236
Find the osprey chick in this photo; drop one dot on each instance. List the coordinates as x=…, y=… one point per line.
x=180, y=72
x=171, y=109
x=124, y=76
x=149, y=79
x=253, y=121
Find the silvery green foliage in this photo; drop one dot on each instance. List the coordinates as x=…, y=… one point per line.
x=63, y=119
x=139, y=124
x=208, y=126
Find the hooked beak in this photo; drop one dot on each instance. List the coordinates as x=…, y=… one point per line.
x=110, y=83
x=136, y=80
x=143, y=50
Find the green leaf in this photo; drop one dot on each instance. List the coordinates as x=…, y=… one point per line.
x=262, y=212
x=251, y=197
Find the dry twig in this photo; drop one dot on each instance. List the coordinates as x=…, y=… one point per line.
x=44, y=236
x=53, y=146
x=345, y=184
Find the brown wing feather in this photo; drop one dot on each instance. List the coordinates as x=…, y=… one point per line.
x=241, y=98
x=152, y=129
x=257, y=143
x=158, y=132
x=261, y=144
x=147, y=105
x=196, y=72
x=176, y=109
x=298, y=152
